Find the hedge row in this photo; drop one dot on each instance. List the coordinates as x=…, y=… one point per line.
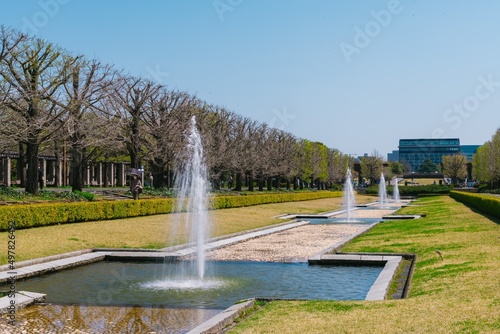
x=223, y=202
x=432, y=189
x=36, y=215
x=484, y=203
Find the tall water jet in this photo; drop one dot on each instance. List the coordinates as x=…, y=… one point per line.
x=395, y=191
x=349, y=200
x=191, y=182
x=382, y=193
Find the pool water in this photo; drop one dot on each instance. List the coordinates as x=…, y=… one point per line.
x=109, y=283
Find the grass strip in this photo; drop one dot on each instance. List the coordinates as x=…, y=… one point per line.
x=454, y=287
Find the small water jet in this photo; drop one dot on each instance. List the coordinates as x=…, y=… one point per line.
x=382, y=192
x=192, y=197
x=395, y=192
x=349, y=201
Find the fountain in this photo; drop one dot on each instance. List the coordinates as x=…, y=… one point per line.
x=349, y=200
x=191, y=182
x=382, y=193
x=395, y=192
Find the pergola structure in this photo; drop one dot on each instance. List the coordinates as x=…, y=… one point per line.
x=57, y=171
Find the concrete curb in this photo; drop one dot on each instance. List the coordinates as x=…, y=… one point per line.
x=51, y=266
x=22, y=299
x=379, y=289
x=225, y=318
x=46, y=259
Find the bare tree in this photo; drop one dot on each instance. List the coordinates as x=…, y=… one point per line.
x=131, y=99
x=165, y=122
x=283, y=163
x=264, y=151
x=87, y=131
x=216, y=130
x=34, y=72
x=10, y=39
x=337, y=166
x=455, y=166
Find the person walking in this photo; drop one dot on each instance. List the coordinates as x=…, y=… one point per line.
x=135, y=186
x=151, y=180
x=40, y=177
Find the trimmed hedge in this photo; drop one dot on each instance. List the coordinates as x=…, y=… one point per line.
x=36, y=215
x=224, y=202
x=432, y=189
x=484, y=203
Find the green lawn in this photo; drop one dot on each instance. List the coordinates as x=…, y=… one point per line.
x=459, y=293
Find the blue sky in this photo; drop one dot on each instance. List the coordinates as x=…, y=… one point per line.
x=354, y=75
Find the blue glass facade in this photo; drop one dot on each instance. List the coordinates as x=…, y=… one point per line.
x=394, y=156
x=415, y=151
x=469, y=151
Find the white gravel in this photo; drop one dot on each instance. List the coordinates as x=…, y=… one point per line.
x=297, y=244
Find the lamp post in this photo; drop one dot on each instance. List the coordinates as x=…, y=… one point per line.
x=141, y=170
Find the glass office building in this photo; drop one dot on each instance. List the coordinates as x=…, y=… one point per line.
x=468, y=151
x=415, y=151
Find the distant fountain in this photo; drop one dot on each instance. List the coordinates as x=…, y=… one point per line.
x=395, y=192
x=349, y=200
x=191, y=182
x=382, y=193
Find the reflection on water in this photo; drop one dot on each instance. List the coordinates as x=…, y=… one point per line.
x=99, y=319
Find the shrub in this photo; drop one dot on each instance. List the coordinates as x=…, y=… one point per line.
x=432, y=189
x=88, y=196
x=484, y=203
x=9, y=192
x=36, y=215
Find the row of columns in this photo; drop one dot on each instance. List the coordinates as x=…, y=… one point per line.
x=102, y=174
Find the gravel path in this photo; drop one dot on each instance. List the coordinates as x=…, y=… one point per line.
x=297, y=244
x=371, y=213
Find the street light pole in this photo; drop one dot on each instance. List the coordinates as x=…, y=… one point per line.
x=141, y=170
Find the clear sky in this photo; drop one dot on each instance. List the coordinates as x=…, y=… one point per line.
x=354, y=75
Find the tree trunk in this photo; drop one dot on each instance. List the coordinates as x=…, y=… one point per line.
x=76, y=168
x=32, y=160
x=287, y=184
x=269, y=183
x=238, y=181
x=250, y=181
x=57, y=169
x=216, y=183
x=21, y=167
